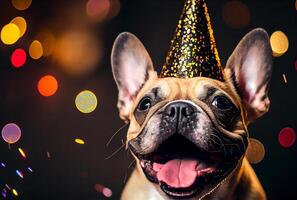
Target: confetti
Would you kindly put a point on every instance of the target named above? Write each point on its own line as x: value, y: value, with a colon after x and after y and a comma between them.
x: 3, y: 164
x: 4, y: 194
x: 86, y: 101
x: 30, y: 169
x: 22, y: 153
x: 102, y: 189
x: 48, y: 154
x: 79, y: 141
x: 19, y: 173
x: 107, y: 192
x: 7, y: 186
x: 285, y: 79
x: 14, y: 192
x: 11, y: 133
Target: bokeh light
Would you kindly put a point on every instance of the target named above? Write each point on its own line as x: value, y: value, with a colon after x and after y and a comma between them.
x: 47, y: 85
x: 279, y: 43
x: 79, y: 141
x: 22, y: 152
x: 21, y: 4
x: 18, y: 58
x: 3, y: 164
x: 48, y: 42
x: 35, y: 50
x: 97, y: 9
x: 10, y: 33
x: 296, y: 4
x: 115, y: 7
x: 11, y: 133
x: 77, y: 53
x: 287, y: 137
x: 236, y: 14
x: 21, y: 23
x: 256, y: 151
x: 86, y: 101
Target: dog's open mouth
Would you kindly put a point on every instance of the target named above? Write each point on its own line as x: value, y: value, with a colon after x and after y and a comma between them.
x: 182, y: 169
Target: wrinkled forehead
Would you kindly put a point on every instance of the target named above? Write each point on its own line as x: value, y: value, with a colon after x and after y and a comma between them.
x: 191, y: 88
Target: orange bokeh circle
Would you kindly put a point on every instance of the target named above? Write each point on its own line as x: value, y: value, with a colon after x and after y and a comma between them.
x: 47, y: 85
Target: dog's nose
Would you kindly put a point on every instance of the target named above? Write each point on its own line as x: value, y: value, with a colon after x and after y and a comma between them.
x: 179, y: 110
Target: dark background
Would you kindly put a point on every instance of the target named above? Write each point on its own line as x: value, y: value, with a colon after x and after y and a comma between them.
x: 51, y: 124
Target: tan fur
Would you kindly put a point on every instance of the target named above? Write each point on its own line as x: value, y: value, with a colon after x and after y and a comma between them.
x: 241, y: 184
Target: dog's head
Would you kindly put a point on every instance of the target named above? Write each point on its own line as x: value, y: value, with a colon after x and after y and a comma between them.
x: 187, y: 135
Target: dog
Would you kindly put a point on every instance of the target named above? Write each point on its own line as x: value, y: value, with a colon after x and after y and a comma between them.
x: 189, y: 136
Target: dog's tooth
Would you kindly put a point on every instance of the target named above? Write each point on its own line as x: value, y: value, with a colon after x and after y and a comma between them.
x: 142, y: 163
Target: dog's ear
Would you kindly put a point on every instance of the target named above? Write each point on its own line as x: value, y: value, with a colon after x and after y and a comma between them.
x: 131, y: 67
x: 250, y: 68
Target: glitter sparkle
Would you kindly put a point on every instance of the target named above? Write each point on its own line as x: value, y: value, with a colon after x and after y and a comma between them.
x: 193, y: 50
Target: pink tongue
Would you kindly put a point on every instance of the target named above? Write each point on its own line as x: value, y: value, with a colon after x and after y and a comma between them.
x: 177, y: 173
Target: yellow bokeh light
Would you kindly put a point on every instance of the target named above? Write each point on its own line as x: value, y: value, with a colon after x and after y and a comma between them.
x: 14, y: 192
x: 86, y: 101
x: 10, y: 33
x: 279, y: 43
x: 35, y: 50
x: 79, y: 141
x: 21, y: 4
x: 21, y: 23
x: 256, y: 151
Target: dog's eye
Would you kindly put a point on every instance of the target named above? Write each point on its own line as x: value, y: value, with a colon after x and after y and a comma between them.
x: 145, y: 104
x: 222, y: 103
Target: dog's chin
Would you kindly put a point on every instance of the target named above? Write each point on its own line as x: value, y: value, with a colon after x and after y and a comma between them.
x: 183, y: 170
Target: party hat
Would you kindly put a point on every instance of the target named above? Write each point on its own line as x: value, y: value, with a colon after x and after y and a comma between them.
x: 193, y: 51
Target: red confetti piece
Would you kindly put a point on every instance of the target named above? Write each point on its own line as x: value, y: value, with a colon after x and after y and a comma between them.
x: 287, y: 137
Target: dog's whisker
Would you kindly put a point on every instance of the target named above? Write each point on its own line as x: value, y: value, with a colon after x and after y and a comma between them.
x: 133, y: 162
x: 112, y: 137
x: 115, y: 152
x: 126, y: 174
x: 220, y: 142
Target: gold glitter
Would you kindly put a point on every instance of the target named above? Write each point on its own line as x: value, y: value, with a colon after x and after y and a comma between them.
x: 193, y: 49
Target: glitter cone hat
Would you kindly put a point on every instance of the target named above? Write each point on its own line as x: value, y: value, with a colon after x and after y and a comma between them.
x: 193, y: 51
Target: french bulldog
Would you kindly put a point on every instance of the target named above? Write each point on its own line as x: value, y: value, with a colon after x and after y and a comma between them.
x: 189, y: 136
